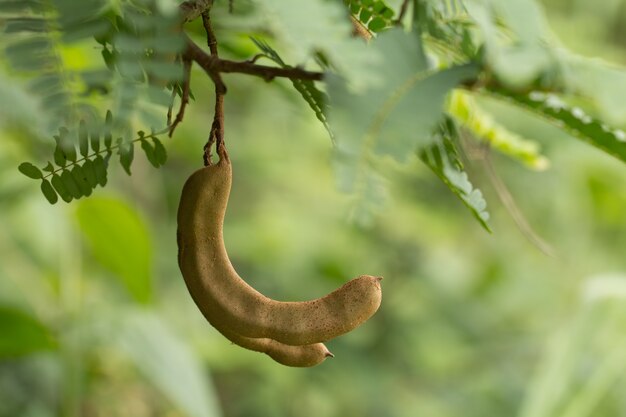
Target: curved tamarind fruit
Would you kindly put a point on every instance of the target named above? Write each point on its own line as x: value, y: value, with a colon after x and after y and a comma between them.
x: 297, y: 356
x: 226, y: 299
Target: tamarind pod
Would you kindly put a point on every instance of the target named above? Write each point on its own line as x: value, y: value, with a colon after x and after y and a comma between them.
x: 225, y: 298
x: 297, y: 356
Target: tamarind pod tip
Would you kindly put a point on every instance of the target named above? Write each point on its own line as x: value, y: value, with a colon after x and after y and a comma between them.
x: 329, y: 354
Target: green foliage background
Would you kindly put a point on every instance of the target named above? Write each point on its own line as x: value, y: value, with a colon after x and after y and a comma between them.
x: 95, y: 319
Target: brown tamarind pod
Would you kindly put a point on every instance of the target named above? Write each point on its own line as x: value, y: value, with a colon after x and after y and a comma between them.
x: 226, y: 299
x: 297, y: 356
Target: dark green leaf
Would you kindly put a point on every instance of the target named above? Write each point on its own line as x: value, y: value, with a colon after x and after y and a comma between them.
x: 83, y: 138
x: 22, y: 333
x: 71, y: 185
x: 376, y: 24
x: 109, y: 58
x: 81, y: 180
x: 46, y: 84
x: 64, y: 141
x: 25, y: 24
x: 20, y: 6
x: 127, y: 153
x: 365, y: 15
x: 149, y: 151
x: 59, y: 155
x: 100, y: 167
x: 107, y: 220
x: 89, y: 170
x: 49, y: 167
x: 30, y: 170
x: 159, y: 151
x: 70, y: 151
x: 48, y: 192
x: 108, y: 130
x: 60, y: 188
x: 94, y: 139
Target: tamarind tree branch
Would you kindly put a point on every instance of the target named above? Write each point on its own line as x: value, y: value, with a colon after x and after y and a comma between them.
x: 216, y: 135
x: 214, y: 64
x: 193, y: 9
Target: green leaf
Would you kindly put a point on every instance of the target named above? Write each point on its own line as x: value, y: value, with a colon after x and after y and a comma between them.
x: 149, y: 151
x: 572, y: 119
x: 89, y: 170
x: 108, y: 129
x: 120, y: 241
x: 395, y: 116
x: 291, y: 22
x: 64, y: 150
x: 159, y: 151
x: 126, y: 152
x: 83, y: 138
x: 94, y: 139
x: 48, y: 192
x: 100, y: 167
x: 60, y: 188
x: 22, y: 334
x: 81, y: 180
x: 49, y: 167
x: 59, y: 155
x: 365, y: 15
x: 30, y: 170
x: 66, y: 144
x: 374, y: 15
x: 442, y: 158
x: 109, y: 58
x: 377, y: 24
x: 484, y: 127
x: 26, y: 24
x: 20, y: 6
x: 315, y: 98
x: 70, y: 184
x: 168, y: 362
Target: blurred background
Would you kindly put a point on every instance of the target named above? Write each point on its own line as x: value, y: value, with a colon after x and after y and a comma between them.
x: 95, y: 319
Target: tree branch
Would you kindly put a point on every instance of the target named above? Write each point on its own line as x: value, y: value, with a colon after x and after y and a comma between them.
x: 213, y: 64
x: 193, y: 9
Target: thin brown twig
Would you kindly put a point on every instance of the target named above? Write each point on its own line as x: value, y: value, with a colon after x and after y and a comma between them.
x: 403, y: 10
x: 192, y: 9
x: 185, y: 96
x: 217, y: 127
x: 211, y: 40
x: 170, y: 107
x: 255, y: 58
x: 211, y: 63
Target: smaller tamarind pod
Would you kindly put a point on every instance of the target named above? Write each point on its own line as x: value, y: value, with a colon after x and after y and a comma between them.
x: 227, y: 300
x: 296, y: 356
